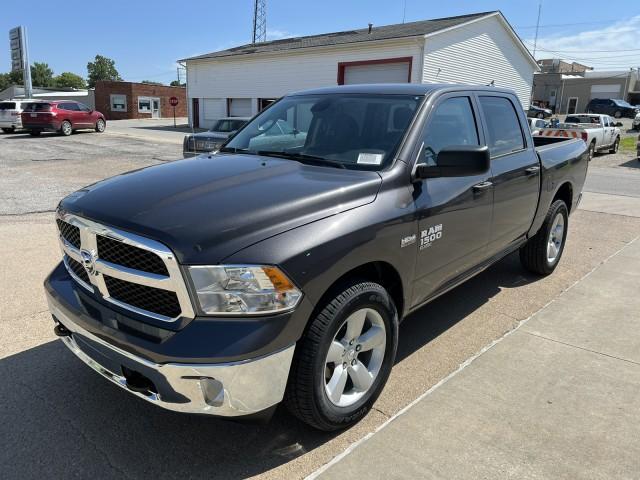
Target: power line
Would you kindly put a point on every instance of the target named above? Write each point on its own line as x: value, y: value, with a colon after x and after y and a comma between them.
x: 554, y: 25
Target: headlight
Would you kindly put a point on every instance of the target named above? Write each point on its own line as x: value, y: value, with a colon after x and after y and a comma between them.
x: 243, y: 289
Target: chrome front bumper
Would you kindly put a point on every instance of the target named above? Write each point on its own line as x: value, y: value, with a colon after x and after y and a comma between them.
x: 226, y: 390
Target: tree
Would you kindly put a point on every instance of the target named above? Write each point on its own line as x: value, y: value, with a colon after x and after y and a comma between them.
x: 69, y: 80
x: 102, y: 68
x: 41, y: 75
x: 5, y: 81
x: 151, y: 82
x: 176, y: 83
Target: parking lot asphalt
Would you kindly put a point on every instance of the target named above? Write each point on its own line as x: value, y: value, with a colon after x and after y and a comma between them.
x: 59, y: 419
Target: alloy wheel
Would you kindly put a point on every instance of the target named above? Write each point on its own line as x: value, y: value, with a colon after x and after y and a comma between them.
x: 556, y: 237
x: 355, y: 357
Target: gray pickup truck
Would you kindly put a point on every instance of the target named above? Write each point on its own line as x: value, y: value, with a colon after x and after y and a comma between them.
x: 280, y: 267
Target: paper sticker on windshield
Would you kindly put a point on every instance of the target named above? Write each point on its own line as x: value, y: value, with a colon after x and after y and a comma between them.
x: 370, y: 158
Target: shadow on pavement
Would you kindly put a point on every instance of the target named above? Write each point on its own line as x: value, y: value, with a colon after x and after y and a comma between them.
x: 61, y: 420
x: 633, y: 163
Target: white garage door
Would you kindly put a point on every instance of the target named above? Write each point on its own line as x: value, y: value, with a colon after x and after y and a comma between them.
x: 381, y: 73
x: 605, y: 91
x: 239, y: 107
x: 214, y: 108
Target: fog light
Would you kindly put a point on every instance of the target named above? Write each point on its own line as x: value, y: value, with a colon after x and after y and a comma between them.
x: 213, y: 391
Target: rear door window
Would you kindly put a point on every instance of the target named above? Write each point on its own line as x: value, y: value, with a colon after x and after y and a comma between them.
x: 7, y: 105
x: 504, y: 134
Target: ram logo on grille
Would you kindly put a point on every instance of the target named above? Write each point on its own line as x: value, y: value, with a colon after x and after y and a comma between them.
x: 88, y: 261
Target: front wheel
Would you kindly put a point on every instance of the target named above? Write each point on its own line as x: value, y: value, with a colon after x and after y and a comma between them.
x: 543, y: 251
x: 100, y: 125
x: 35, y: 133
x: 617, y: 114
x: 540, y: 115
x: 344, y: 359
x: 9, y: 130
x: 615, y: 146
x: 592, y: 150
x: 66, y: 129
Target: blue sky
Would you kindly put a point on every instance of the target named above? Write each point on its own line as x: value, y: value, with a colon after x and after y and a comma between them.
x: 146, y: 37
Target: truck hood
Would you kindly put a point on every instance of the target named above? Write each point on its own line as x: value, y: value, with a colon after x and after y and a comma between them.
x: 207, y: 208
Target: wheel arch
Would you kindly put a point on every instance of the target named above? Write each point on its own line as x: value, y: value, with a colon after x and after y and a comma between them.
x: 380, y: 272
x: 565, y: 193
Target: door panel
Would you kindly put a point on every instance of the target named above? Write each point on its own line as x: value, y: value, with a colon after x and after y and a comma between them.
x: 454, y: 218
x: 515, y: 171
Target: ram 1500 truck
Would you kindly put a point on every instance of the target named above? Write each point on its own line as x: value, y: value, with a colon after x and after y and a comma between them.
x: 280, y: 267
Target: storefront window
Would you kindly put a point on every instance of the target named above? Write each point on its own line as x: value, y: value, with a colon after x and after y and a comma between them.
x: 144, y: 104
x: 118, y: 103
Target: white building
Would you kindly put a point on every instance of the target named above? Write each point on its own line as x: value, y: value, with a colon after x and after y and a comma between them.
x: 476, y: 49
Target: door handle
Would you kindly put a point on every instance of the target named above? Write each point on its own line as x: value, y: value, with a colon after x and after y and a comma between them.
x: 479, y: 187
x: 532, y: 170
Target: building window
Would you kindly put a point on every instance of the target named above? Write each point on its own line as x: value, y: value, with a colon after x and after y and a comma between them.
x: 144, y: 105
x: 118, y: 103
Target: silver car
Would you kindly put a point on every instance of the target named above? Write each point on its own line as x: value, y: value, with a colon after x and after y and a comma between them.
x: 212, y: 139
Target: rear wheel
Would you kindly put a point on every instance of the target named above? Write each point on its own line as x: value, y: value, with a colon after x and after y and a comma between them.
x: 543, y: 251
x: 65, y: 128
x: 615, y: 146
x: 35, y: 133
x: 344, y: 359
x: 9, y: 130
x: 540, y: 115
x: 617, y: 114
x: 592, y: 150
x: 100, y: 125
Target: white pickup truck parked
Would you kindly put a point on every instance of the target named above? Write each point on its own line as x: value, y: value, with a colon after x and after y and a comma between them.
x: 600, y: 132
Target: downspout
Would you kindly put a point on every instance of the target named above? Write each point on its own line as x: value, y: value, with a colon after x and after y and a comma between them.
x: 559, y: 112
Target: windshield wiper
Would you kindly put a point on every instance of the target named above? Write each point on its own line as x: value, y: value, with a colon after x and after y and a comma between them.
x: 302, y: 158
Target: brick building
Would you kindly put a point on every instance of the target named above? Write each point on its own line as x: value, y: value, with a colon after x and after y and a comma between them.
x: 128, y: 100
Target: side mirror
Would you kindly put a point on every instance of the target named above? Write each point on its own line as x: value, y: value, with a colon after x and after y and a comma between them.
x: 456, y: 161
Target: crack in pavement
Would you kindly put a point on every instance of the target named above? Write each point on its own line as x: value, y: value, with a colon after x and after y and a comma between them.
x: 581, y: 348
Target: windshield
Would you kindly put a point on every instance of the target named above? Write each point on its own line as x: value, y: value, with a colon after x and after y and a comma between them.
x: 360, y: 131
x: 227, y: 125
x: 7, y: 105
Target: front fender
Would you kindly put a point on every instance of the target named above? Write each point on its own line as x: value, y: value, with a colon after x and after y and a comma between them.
x: 316, y: 255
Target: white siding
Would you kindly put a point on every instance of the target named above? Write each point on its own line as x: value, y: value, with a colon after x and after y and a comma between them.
x: 213, y: 109
x: 479, y: 53
x: 278, y: 74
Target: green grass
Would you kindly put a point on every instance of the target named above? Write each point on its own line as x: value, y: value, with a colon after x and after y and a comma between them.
x: 629, y: 143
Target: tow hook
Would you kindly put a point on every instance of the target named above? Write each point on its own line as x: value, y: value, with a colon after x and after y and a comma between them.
x: 61, y: 331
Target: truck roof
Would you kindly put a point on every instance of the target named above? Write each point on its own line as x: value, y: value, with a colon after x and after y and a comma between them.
x: 399, y: 89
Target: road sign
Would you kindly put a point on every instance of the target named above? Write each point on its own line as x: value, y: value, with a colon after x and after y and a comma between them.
x: 173, y: 101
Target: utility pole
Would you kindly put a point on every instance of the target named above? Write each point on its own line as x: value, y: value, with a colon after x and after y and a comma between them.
x: 535, y: 41
x: 259, y: 21
x: 28, y: 89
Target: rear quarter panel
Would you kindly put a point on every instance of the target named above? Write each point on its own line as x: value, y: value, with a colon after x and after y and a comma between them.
x: 561, y: 163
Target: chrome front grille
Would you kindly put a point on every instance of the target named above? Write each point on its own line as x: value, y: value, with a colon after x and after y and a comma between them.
x: 133, y: 272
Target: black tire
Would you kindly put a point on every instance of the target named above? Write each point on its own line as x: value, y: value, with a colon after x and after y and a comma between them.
x: 101, y: 125
x: 533, y: 255
x: 65, y: 128
x: 592, y: 150
x: 617, y: 114
x: 305, y: 396
x: 616, y: 145
x: 540, y: 115
x: 35, y: 133
x: 9, y: 130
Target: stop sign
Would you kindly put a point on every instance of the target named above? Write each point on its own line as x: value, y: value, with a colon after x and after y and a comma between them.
x: 173, y: 101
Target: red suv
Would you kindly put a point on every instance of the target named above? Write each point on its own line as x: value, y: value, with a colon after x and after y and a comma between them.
x: 61, y: 116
